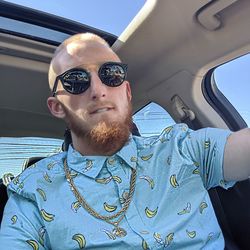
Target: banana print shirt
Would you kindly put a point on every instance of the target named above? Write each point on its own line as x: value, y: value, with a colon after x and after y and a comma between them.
x: 170, y: 208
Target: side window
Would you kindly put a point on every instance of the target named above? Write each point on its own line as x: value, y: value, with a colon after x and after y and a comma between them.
x: 233, y: 80
x: 15, y: 151
x: 152, y: 119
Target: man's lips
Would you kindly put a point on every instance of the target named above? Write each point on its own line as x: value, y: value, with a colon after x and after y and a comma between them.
x: 100, y: 110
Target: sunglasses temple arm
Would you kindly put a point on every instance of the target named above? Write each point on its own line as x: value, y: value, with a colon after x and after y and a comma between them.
x: 55, y: 87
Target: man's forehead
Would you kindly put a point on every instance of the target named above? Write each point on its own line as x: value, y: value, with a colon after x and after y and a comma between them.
x: 79, y: 52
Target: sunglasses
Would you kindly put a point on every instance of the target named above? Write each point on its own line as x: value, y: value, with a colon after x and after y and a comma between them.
x: 77, y: 80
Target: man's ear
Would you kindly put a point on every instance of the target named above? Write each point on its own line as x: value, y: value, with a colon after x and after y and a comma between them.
x: 55, y: 107
x: 129, y: 94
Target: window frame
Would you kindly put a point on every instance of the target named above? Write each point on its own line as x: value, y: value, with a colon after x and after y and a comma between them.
x: 220, y: 103
x: 49, y: 21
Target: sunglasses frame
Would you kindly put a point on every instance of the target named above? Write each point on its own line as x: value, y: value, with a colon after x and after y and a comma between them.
x: 61, y: 76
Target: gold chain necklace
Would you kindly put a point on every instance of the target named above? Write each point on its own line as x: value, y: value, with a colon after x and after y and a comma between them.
x: 117, y: 231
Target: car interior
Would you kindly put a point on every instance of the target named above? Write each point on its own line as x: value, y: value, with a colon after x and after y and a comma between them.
x: 171, y: 47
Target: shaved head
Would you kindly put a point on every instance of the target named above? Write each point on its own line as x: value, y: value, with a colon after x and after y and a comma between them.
x: 72, y: 50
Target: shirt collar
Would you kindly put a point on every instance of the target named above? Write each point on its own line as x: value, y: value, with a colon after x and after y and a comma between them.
x: 129, y: 153
x: 92, y: 165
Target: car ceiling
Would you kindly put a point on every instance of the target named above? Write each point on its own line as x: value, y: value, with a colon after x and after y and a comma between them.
x: 169, y: 47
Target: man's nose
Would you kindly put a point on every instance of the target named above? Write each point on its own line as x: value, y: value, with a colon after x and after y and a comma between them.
x: 97, y: 88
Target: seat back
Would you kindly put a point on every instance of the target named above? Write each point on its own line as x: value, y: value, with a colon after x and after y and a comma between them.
x: 4, y: 199
x: 232, y: 208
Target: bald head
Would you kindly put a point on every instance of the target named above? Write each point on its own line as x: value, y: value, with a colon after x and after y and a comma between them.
x: 74, y: 51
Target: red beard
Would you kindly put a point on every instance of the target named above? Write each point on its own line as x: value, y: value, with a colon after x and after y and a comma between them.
x: 106, y: 137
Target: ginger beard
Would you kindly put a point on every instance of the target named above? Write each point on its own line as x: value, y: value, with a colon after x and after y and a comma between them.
x: 106, y: 137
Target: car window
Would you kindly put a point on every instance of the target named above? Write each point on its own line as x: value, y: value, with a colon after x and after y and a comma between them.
x: 82, y: 11
x: 152, y: 119
x: 233, y: 80
x: 15, y: 151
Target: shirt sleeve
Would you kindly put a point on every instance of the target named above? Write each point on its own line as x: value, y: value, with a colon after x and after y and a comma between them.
x: 206, y: 148
x: 21, y: 227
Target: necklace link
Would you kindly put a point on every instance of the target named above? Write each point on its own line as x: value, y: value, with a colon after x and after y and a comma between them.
x: 117, y: 231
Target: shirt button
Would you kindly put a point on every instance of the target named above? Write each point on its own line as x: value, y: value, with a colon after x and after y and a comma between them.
x: 125, y: 195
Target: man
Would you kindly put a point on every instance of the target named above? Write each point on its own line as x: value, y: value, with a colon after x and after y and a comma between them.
x: 112, y: 190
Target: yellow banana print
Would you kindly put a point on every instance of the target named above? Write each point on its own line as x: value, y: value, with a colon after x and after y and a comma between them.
x: 222, y: 182
x: 144, y: 245
x: 14, y: 219
x: 104, y: 180
x: 133, y: 159
x: 16, y: 180
x: 191, y: 234
x: 42, y: 193
x: 162, y: 140
x: 196, y: 171
x: 186, y: 210
x: 146, y: 157
x: 41, y: 233
x: 169, y: 238
x: 168, y: 129
x: 46, y: 177
x: 89, y: 165
x: 109, y: 234
x: 73, y: 174
x: 196, y: 164
x: 80, y: 239
x: 173, y: 181
x: 149, y: 180
x: 47, y: 216
x: 158, y: 238
x: 184, y: 128
x: 21, y: 185
x: 33, y: 244
x: 75, y: 206
x: 150, y: 213
x: 202, y: 206
x: 51, y: 165
x: 210, y: 236
x: 117, y: 179
x: 111, y: 161
x: 207, y: 144
x: 109, y: 208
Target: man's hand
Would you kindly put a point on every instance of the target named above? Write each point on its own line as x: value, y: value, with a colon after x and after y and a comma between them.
x: 237, y: 156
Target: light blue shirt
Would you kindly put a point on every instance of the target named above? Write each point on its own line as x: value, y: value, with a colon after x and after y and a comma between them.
x: 170, y: 208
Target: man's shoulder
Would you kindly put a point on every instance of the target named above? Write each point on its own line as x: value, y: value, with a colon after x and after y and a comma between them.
x: 39, y: 173
x: 167, y: 134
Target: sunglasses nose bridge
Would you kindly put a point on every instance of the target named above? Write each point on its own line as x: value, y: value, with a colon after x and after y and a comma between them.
x: 97, y: 88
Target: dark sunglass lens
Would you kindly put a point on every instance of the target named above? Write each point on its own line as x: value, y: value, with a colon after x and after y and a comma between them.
x: 76, y: 82
x: 112, y: 74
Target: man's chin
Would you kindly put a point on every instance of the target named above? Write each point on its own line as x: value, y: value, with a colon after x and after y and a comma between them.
x: 108, y: 137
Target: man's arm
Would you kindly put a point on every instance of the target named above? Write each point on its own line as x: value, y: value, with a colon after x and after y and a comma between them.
x: 237, y: 156
x: 21, y: 227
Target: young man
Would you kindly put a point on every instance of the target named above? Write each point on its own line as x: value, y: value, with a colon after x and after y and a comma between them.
x: 112, y: 190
